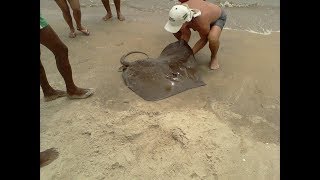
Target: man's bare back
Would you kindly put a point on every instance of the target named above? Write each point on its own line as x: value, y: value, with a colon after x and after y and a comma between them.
x: 209, y: 13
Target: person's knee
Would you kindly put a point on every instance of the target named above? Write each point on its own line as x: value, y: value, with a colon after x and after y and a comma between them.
x: 76, y: 10
x: 64, y: 49
x: 66, y: 11
x: 62, y: 57
x: 61, y: 50
x: 213, y: 39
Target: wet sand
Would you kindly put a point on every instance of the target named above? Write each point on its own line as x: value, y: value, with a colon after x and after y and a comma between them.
x: 228, y: 129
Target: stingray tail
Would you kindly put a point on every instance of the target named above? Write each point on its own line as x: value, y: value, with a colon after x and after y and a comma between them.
x: 126, y: 63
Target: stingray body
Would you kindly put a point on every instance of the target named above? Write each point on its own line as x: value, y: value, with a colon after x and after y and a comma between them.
x: 173, y: 72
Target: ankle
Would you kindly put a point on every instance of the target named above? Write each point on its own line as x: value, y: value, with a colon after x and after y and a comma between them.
x: 72, y: 89
x: 80, y: 27
x: 48, y: 92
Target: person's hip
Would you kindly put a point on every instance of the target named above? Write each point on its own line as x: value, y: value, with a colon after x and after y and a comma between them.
x: 221, y: 21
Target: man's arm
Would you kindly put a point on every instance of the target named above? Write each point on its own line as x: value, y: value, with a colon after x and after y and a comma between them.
x: 185, y: 34
x: 177, y: 35
x: 200, y: 44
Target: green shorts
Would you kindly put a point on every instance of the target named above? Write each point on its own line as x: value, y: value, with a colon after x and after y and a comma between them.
x: 43, y: 22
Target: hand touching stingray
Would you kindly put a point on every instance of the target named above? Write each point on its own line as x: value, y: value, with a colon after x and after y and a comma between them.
x: 173, y: 72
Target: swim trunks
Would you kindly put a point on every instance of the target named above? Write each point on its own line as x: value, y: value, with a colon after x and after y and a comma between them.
x: 221, y: 21
x: 43, y: 22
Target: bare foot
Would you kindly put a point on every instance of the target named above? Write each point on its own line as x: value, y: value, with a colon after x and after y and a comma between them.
x: 108, y: 16
x: 214, y: 64
x: 72, y: 34
x: 47, y: 156
x: 54, y: 95
x: 80, y: 93
x: 121, y: 17
x: 84, y: 30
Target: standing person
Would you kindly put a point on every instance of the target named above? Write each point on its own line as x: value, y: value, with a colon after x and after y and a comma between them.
x: 206, y: 18
x: 106, y: 5
x: 50, y: 39
x: 75, y: 6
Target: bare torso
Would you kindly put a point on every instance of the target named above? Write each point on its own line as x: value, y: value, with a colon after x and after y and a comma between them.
x: 209, y: 13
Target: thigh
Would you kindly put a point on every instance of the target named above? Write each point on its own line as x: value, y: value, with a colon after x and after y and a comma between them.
x: 74, y: 4
x: 63, y: 5
x: 214, y: 33
x: 50, y: 39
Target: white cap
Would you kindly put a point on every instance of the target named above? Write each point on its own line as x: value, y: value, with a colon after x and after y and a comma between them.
x: 178, y: 15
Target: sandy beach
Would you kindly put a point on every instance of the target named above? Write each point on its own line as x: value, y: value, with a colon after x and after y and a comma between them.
x: 226, y: 130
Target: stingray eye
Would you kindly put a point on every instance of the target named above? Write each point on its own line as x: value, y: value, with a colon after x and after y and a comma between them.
x: 174, y: 75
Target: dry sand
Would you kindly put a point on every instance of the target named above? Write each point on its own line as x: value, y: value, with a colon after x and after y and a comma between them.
x: 228, y: 129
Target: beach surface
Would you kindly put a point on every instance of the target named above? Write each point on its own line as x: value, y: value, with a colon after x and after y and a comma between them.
x: 228, y: 129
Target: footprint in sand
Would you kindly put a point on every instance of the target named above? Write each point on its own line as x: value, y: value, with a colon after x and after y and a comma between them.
x: 178, y: 135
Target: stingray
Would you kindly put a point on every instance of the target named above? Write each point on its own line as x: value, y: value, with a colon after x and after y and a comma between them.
x: 173, y: 72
